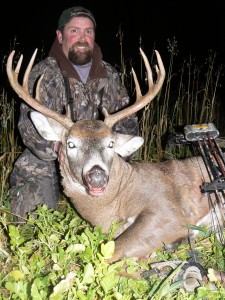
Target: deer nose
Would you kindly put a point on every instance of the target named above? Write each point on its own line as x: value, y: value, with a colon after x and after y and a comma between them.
x: 96, y: 177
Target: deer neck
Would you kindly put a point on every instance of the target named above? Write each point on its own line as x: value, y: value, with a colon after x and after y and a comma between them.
x: 73, y: 189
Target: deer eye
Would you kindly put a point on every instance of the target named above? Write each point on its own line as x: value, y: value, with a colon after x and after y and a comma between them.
x: 71, y: 145
x: 111, y: 145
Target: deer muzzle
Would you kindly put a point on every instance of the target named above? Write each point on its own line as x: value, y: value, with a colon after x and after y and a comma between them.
x: 96, y: 180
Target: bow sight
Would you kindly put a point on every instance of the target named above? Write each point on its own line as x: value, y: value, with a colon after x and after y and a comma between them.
x: 204, y: 137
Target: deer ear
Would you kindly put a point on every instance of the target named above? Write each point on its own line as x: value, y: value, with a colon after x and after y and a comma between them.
x: 126, y: 145
x: 48, y: 128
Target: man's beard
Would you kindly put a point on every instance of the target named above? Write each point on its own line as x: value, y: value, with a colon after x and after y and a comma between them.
x: 80, y: 58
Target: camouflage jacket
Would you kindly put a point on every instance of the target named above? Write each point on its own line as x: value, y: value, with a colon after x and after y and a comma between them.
x: 103, y: 87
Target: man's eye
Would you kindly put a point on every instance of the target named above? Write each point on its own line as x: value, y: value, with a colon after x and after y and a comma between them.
x: 74, y: 30
x: 90, y: 31
x: 71, y: 145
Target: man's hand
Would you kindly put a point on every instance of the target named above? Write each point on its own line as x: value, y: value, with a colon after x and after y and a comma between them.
x: 61, y: 157
x: 57, y: 148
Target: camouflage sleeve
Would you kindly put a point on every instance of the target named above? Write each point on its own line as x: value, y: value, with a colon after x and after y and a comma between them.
x: 40, y: 147
x: 128, y: 125
x: 116, y: 98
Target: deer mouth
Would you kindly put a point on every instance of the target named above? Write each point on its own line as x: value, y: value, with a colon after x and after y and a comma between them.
x: 96, y: 191
x: 96, y: 181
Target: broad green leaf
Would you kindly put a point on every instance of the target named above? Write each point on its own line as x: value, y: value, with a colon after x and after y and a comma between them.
x: 73, y: 248
x: 63, y: 286
x: 14, y: 233
x: 108, y: 282
x: 89, y: 274
x: 53, y: 238
x: 203, y: 292
x: 17, y: 275
x: 131, y: 270
x: 211, y: 276
x: 81, y: 296
x: 115, y: 265
x: 35, y: 291
x: 11, y: 286
x: 108, y: 249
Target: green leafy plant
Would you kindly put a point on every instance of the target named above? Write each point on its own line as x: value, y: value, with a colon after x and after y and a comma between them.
x: 57, y: 255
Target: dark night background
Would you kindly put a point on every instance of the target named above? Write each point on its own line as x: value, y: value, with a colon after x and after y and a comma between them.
x: 197, y: 26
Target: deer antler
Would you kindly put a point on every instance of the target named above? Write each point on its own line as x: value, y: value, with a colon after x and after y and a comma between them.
x: 141, y: 101
x: 23, y: 90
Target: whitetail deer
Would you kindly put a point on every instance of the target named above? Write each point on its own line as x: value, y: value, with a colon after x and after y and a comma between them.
x: 155, y: 201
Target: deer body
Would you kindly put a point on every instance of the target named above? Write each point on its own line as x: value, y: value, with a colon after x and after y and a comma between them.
x: 153, y: 201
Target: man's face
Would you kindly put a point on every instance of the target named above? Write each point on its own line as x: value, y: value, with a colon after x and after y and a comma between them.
x: 78, y: 40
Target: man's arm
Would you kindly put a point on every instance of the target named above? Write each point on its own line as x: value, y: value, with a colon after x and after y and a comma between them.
x: 40, y: 147
x: 43, y: 149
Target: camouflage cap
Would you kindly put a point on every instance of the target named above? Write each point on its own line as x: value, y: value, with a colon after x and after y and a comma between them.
x: 72, y: 12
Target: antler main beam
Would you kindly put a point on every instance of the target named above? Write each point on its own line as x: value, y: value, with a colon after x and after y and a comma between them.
x: 23, y: 90
x: 141, y: 101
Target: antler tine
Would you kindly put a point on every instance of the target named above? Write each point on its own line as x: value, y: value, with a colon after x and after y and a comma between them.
x: 23, y: 92
x: 28, y: 70
x: 18, y: 66
x: 37, y: 93
x: 148, y: 69
x: 137, y: 85
x: 141, y: 101
x: 160, y: 70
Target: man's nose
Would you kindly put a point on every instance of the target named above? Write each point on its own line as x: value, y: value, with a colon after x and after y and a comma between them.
x: 82, y: 36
